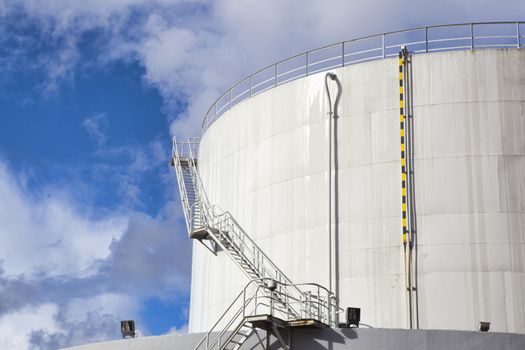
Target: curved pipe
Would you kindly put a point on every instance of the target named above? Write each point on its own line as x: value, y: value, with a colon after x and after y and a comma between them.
x: 332, y: 113
x: 333, y: 77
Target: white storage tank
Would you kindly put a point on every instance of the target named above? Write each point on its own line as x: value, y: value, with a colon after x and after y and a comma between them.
x: 266, y: 161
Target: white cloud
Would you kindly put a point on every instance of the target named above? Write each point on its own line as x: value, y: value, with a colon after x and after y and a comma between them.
x: 126, y: 166
x: 97, y: 127
x: 49, y: 234
x: 51, y: 326
x: 16, y: 327
x: 178, y: 331
x: 54, y: 325
x: 120, y: 305
x: 68, y: 278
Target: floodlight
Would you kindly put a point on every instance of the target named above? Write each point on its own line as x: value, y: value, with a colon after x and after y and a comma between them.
x: 127, y: 328
x: 484, y: 326
x: 271, y: 285
x: 353, y: 316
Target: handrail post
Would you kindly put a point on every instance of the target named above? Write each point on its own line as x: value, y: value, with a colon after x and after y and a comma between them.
x: 287, y: 308
x: 271, y: 303
x: 244, y: 303
x: 329, y: 308
x: 319, y: 304
x: 518, y: 35
x: 383, y: 45
x: 342, y: 54
x: 472, y: 36
x: 307, y: 62
x: 309, y: 304
x: 301, y: 305
x: 426, y: 39
x: 256, y: 302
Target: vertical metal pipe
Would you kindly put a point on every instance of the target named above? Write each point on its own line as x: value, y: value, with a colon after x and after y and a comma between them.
x: 330, y: 282
x: 329, y: 174
x: 413, y: 211
x: 408, y: 169
x: 333, y: 280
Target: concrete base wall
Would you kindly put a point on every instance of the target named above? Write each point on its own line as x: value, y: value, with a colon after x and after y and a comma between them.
x: 355, y: 339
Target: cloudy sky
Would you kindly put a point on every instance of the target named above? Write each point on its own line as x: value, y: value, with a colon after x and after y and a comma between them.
x: 90, y: 93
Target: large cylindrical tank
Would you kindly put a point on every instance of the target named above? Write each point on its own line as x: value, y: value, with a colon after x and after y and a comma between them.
x: 266, y: 162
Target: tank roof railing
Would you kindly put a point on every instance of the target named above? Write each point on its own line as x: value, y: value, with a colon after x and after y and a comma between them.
x: 449, y: 37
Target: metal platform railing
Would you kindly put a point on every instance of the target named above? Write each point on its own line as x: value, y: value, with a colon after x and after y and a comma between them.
x: 315, y: 303
x: 450, y: 37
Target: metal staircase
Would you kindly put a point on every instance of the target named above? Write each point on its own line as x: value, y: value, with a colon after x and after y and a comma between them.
x: 185, y: 163
x: 218, y: 230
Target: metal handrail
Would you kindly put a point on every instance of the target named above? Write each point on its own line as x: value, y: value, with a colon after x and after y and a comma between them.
x: 255, y: 257
x: 182, y: 188
x: 245, y: 236
x: 249, y: 303
x: 259, y: 81
x: 210, y: 214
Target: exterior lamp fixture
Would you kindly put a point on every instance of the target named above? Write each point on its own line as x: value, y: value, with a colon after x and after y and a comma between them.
x: 484, y: 326
x: 271, y: 285
x: 353, y: 316
x: 127, y: 328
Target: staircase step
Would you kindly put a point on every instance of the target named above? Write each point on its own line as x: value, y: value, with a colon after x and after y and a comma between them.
x: 247, y: 332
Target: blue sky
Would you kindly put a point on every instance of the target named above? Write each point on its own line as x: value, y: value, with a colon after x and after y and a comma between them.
x: 91, y: 93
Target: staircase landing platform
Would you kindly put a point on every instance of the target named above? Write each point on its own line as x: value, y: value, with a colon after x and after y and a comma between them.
x: 199, y: 233
x: 266, y: 321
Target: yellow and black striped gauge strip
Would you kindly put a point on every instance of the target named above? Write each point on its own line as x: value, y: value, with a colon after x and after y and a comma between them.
x: 402, y: 118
